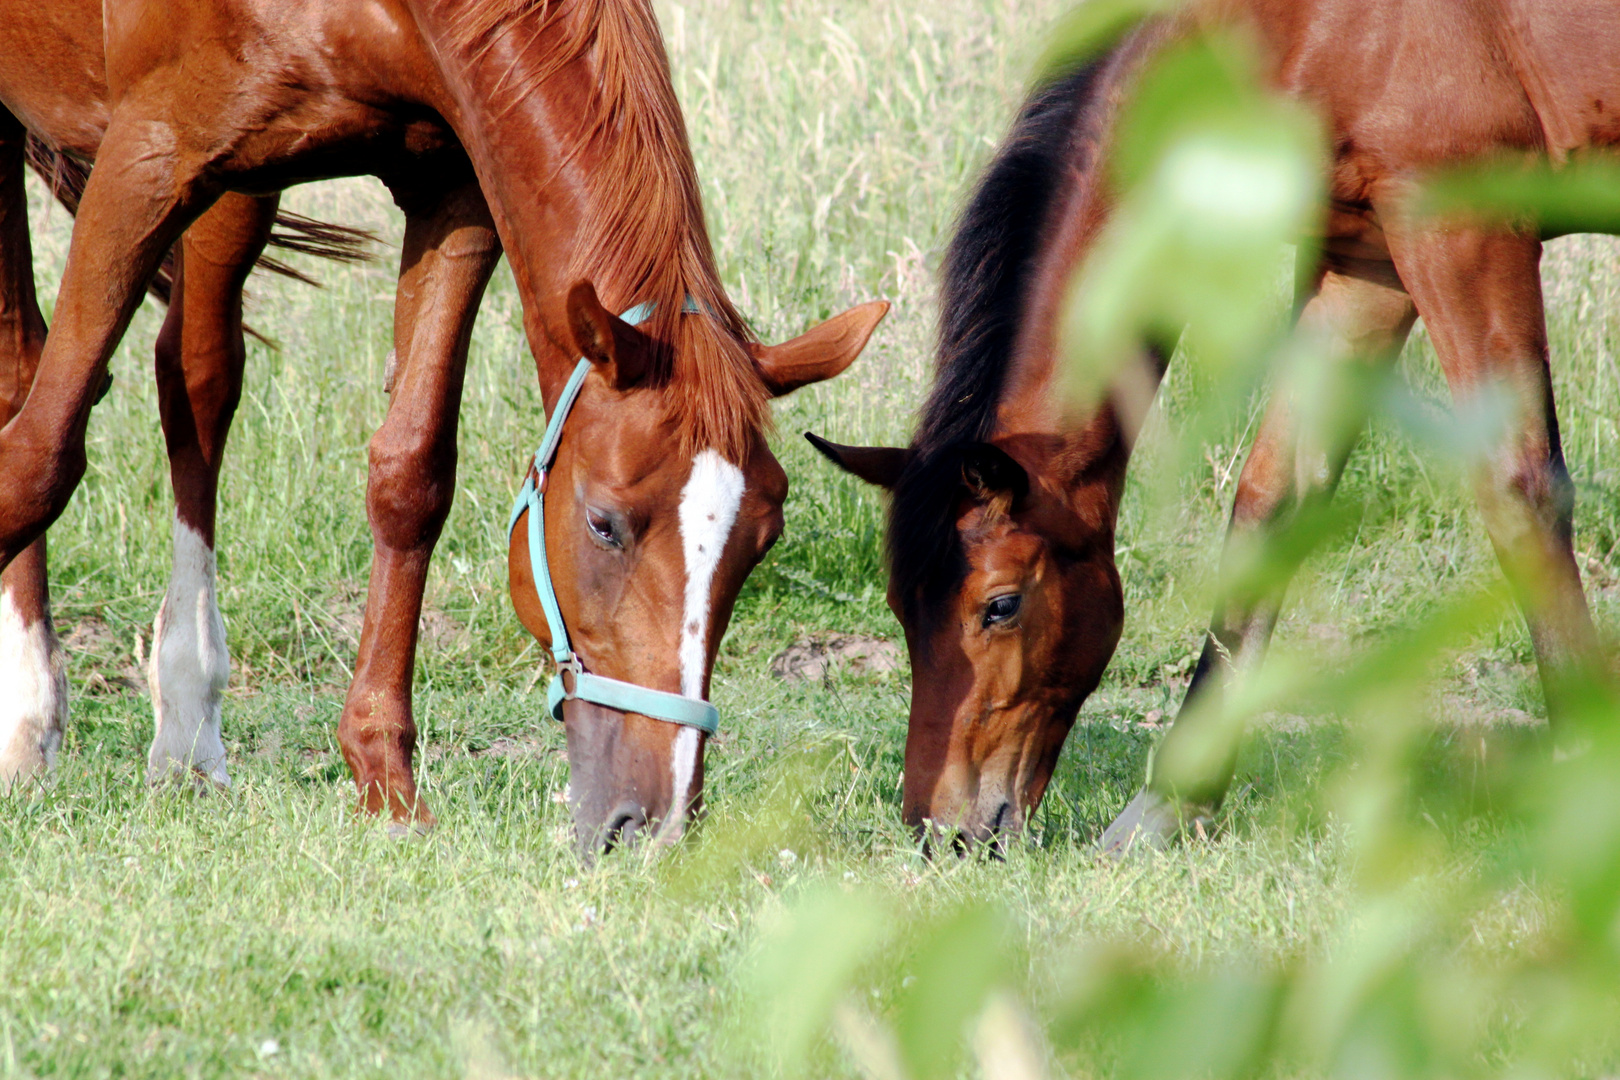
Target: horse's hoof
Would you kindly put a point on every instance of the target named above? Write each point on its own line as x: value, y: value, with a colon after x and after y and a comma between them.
x: 1150, y: 821
x: 211, y: 779
x: 408, y: 830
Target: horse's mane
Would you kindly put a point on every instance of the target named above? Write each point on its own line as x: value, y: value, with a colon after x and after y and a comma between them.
x: 644, y: 237
x: 988, y: 270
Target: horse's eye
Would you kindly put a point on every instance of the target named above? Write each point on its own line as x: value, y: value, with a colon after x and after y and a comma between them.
x: 1002, y: 608
x: 602, y: 526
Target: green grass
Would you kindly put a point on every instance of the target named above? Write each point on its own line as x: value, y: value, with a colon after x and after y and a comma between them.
x: 151, y: 934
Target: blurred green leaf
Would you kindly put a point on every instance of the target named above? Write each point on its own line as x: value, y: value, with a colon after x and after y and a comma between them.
x: 1215, y: 176
x: 956, y: 964
x: 1089, y: 29
x: 808, y: 963
x: 1581, y: 196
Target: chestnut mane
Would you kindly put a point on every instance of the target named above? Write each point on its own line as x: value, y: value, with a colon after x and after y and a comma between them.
x: 989, y: 269
x: 644, y: 236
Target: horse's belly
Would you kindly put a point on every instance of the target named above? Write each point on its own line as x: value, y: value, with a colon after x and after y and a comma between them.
x: 354, y: 141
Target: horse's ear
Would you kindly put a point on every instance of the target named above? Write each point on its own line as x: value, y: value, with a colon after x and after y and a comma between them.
x: 880, y: 465
x: 604, y: 339
x: 820, y: 352
x: 989, y: 473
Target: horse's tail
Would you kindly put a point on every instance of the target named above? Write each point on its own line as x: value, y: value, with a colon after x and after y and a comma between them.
x: 66, y: 176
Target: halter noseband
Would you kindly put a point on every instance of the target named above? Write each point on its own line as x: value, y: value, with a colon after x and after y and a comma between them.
x: 597, y: 689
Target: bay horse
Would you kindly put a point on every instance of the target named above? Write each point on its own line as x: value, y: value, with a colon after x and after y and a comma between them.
x: 1003, y: 510
x: 548, y: 132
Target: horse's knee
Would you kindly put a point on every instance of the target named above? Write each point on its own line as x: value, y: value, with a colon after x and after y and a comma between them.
x: 411, y: 486
x: 40, y: 465
x: 1524, y: 498
x: 1262, y: 494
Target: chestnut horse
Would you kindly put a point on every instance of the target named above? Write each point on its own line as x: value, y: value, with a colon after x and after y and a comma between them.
x: 1001, y: 532
x: 547, y: 131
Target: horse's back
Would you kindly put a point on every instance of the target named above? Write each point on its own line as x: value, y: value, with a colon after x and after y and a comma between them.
x: 1410, y: 85
x: 264, y: 92
x: 1568, y: 58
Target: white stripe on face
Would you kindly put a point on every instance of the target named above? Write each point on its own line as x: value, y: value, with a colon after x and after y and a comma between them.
x: 709, y: 505
x: 683, y: 763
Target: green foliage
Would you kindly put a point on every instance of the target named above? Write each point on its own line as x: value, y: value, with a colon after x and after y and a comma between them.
x: 1580, y: 196
x: 1216, y: 177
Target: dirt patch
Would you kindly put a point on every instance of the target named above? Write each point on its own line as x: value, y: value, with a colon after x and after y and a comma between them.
x: 116, y: 671
x: 1457, y: 711
x: 527, y: 746
x: 818, y: 658
x: 346, y: 613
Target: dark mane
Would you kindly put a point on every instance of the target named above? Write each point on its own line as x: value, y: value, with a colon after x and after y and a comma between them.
x: 987, y: 272
x: 644, y: 237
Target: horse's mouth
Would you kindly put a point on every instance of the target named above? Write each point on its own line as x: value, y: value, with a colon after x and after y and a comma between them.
x: 990, y: 838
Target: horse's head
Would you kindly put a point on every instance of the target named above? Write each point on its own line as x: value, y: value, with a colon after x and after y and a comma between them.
x: 649, y: 539
x: 1002, y: 573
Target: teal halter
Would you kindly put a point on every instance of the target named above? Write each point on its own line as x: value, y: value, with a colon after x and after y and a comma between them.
x: 597, y: 689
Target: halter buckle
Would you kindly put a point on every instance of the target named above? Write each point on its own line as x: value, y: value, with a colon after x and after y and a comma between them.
x: 571, y: 666
x: 542, y: 478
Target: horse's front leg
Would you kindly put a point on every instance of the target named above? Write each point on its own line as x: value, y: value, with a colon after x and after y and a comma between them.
x: 145, y: 189
x: 1480, y: 295
x: 449, y: 252
x: 199, y: 359
x: 33, y: 701
x: 1295, y: 458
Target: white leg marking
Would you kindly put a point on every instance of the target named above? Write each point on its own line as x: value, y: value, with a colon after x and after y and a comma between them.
x: 189, y: 668
x: 709, y: 505
x: 33, y: 696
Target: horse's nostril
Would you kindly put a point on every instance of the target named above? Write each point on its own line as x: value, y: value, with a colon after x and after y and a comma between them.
x: 1003, y: 818
x: 622, y: 828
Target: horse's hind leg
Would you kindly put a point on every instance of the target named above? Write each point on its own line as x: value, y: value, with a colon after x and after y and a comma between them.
x: 1480, y: 295
x: 450, y: 250
x: 1293, y: 460
x: 33, y: 681
x: 200, y: 354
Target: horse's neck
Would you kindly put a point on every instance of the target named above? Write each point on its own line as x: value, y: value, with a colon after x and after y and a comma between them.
x: 1034, y: 400
x: 525, y: 93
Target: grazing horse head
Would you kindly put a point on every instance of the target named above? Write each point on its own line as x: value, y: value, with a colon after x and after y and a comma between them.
x: 1001, y: 523
x: 661, y: 498
x: 1002, y: 574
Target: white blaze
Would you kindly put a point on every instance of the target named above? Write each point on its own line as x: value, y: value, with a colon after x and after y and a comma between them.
x: 709, y: 505
x: 33, y: 695
x: 189, y: 668
x: 683, y: 763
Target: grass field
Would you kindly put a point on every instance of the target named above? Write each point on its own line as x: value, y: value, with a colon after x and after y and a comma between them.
x: 152, y: 934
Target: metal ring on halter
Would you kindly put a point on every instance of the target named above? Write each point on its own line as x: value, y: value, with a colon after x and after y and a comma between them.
x: 596, y: 689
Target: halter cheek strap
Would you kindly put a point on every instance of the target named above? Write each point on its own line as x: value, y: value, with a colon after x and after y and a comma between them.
x: 572, y: 680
